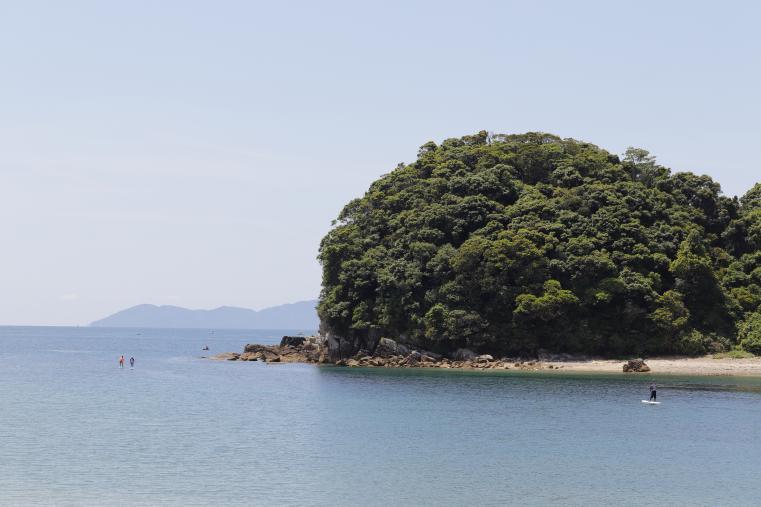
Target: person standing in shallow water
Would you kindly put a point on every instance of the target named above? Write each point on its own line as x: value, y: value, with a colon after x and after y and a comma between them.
x: 652, y: 391
x: 121, y: 362
x: 131, y: 362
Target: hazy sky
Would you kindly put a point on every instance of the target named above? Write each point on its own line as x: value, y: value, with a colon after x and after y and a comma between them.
x: 194, y: 153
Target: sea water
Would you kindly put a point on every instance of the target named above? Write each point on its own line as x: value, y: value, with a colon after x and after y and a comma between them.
x: 180, y: 430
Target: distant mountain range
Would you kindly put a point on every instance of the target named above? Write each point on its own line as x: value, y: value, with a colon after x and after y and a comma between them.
x: 301, y: 315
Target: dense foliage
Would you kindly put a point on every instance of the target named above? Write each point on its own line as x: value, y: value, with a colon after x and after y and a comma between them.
x: 515, y: 243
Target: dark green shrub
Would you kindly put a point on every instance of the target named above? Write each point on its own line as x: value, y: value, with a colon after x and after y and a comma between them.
x: 750, y: 334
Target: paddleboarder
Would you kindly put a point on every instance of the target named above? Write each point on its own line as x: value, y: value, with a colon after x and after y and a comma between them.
x: 131, y: 362
x: 121, y: 362
x: 652, y: 391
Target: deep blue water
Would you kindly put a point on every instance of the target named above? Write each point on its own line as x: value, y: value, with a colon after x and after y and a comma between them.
x: 184, y: 431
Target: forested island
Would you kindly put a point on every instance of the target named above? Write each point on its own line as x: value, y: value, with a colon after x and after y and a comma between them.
x: 514, y: 244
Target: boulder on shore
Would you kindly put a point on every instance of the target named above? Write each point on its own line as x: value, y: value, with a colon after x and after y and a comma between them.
x: 297, y: 349
x: 292, y: 341
x: 386, y: 348
x: 226, y: 356
x: 463, y: 355
x: 412, y: 359
x: 270, y: 357
x: 255, y: 347
x: 636, y: 366
x: 435, y: 356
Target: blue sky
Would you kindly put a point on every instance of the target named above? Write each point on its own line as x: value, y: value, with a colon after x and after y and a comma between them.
x: 194, y: 153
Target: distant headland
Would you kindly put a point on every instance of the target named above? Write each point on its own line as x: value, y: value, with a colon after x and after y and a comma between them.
x: 300, y: 315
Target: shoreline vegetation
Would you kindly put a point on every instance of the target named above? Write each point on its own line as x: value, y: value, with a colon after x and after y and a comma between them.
x: 389, y: 354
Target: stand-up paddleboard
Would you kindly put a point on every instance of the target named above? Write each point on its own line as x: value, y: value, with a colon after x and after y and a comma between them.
x: 651, y: 402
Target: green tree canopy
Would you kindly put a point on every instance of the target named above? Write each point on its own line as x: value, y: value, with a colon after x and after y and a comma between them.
x: 513, y: 243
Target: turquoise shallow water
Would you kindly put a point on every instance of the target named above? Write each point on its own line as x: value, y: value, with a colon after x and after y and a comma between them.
x: 180, y: 430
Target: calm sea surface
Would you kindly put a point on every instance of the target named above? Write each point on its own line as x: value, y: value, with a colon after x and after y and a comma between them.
x: 179, y: 430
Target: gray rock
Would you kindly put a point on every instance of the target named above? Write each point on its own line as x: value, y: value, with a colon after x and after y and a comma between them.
x: 340, y: 347
x: 386, y: 348
x: 463, y: 355
x: 292, y: 341
x: 434, y: 355
x: 412, y: 359
x: 484, y: 358
x: 361, y: 353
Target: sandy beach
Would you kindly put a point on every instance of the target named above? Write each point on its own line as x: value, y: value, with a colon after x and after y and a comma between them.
x: 707, y: 365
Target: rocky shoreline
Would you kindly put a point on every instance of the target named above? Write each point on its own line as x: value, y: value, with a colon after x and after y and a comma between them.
x: 292, y: 349
x: 390, y: 354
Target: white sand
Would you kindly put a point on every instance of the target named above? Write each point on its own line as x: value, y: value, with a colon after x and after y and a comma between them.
x: 677, y: 365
